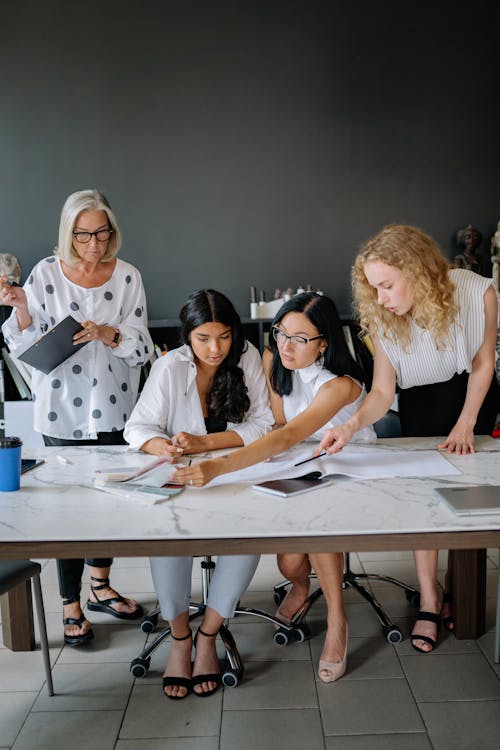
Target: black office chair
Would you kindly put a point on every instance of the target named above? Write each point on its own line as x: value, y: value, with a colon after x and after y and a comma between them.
x: 15, y: 572
x: 233, y: 669
x: 386, y: 427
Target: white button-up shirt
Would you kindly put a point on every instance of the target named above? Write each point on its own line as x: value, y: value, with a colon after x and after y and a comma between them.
x: 170, y: 402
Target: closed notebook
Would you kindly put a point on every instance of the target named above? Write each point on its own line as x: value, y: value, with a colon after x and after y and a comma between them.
x: 472, y: 501
x: 54, y: 347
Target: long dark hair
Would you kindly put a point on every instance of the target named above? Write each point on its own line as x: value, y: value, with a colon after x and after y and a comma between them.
x: 228, y: 395
x: 322, y: 313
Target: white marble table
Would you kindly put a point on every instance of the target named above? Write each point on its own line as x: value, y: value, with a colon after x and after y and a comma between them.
x: 49, y: 519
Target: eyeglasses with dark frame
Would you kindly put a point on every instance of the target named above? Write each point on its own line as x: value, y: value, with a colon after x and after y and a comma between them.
x: 102, y: 235
x: 280, y: 337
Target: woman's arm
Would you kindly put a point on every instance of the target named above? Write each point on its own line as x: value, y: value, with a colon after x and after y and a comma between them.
x: 461, y: 437
x: 15, y: 296
x: 145, y: 429
x: 375, y: 405
x: 331, y: 397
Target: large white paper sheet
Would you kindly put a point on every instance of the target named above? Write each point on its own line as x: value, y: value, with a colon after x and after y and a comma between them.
x: 357, y: 462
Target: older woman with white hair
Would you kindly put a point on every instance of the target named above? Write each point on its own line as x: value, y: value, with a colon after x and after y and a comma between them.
x: 88, y: 398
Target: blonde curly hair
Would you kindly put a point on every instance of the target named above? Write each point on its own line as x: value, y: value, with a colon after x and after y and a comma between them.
x: 420, y: 260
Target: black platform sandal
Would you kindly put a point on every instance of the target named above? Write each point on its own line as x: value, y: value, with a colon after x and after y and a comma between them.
x: 199, y: 679
x: 104, y: 605
x: 185, y: 682
x: 449, y: 620
x: 430, y: 617
x: 76, y: 640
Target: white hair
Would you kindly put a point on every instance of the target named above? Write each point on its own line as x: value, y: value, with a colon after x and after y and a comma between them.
x: 85, y: 200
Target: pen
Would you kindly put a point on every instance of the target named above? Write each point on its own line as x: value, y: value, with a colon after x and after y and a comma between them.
x: 10, y: 282
x: 310, y: 459
x: 63, y: 460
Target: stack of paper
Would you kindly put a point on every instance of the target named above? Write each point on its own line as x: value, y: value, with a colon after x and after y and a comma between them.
x: 151, y: 484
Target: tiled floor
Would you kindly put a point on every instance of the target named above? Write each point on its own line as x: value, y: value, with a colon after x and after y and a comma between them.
x: 390, y: 698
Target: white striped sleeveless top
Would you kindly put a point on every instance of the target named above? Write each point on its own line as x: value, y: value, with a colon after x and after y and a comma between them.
x: 423, y: 363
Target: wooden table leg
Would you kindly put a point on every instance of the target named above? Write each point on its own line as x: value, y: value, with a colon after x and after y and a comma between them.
x: 17, y: 618
x: 469, y: 592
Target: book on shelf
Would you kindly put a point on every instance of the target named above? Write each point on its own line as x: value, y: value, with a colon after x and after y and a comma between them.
x: 20, y: 374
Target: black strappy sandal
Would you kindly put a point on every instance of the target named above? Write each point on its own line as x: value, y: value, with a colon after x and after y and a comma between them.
x: 104, y: 605
x: 76, y: 640
x: 206, y: 677
x: 430, y: 617
x: 185, y: 682
x: 449, y: 620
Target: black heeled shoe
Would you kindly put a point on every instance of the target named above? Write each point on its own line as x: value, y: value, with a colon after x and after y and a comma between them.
x: 430, y: 617
x: 206, y: 677
x: 185, y: 682
x: 76, y: 640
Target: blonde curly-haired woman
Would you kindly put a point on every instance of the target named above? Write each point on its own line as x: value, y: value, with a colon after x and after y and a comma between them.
x: 434, y: 330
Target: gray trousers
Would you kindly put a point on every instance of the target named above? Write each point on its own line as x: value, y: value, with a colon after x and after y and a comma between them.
x: 172, y: 581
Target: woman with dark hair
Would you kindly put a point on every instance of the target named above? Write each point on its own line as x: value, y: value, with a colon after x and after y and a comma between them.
x: 314, y: 384
x: 209, y: 393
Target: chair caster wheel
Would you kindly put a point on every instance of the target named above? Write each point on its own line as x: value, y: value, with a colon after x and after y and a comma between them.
x: 279, y: 595
x: 301, y: 633
x: 231, y: 678
x: 139, y: 667
x: 148, y: 623
x: 413, y: 598
x: 281, y: 637
x: 392, y: 634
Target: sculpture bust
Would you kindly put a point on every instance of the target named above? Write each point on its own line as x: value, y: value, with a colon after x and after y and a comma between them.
x: 495, y: 257
x: 469, y: 238
x: 9, y: 266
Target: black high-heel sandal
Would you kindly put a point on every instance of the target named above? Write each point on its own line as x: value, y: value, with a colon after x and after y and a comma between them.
x: 104, y: 605
x: 449, y: 620
x: 430, y: 617
x: 76, y: 640
x: 206, y: 677
x: 185, y: 682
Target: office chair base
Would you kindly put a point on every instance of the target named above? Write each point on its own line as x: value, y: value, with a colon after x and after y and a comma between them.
x: 391, y: 632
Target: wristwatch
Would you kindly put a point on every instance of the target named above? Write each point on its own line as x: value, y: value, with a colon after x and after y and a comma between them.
x: 116, y: 338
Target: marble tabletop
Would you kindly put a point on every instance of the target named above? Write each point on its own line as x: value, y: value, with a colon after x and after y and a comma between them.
x: 53, y: 506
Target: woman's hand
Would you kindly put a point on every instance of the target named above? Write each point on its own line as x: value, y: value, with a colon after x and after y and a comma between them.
x: 93, y: 332
x: 159, y: 446
x: 334, y: 440
x: 14, y: 296
x: 460, y: 440
x: 190, y: 443
x: 197, y: 474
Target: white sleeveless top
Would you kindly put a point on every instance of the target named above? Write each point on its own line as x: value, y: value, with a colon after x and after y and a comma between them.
x: 423, y: 363
x: 305, y: 385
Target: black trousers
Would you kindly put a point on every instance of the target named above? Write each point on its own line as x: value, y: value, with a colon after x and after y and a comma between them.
x: 70, y: 571
x: 428, y: 410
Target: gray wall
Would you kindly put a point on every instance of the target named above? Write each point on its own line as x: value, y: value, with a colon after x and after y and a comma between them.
x: 248, y: 142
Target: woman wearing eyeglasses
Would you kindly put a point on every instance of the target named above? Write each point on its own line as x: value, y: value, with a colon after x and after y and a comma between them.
x: 87, y: 399
x: 314, y: 384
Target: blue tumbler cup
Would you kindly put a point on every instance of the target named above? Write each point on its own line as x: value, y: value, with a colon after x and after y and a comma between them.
x: 10, y: 463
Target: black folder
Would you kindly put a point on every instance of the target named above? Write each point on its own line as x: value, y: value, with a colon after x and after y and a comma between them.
x: 54, y: 347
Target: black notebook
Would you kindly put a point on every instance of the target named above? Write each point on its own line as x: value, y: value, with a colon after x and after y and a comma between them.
x: 290, y: 487
x: 54, y: 347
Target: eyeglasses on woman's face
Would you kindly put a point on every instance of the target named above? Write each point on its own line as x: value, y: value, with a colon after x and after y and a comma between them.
x: 102, y: 235
x: 281, y: 337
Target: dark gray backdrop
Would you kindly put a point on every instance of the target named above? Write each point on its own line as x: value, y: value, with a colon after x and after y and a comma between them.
x: 248, y: 143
